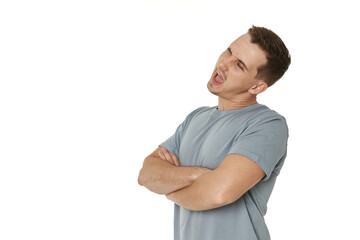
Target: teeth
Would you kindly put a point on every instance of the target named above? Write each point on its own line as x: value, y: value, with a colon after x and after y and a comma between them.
x: 219, y: 75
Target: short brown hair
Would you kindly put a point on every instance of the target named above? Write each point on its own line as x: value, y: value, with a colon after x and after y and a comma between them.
x: 277, y: 55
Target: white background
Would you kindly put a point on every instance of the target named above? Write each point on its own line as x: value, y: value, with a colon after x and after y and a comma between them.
x: 89, y: 88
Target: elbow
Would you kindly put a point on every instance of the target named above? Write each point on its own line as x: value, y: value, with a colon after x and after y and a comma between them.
x: 141, y: 178
x: 222, y: 198
x: 212, y: 201
x: 140, y: 181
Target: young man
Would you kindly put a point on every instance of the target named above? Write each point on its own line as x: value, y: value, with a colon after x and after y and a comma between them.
x: 220, y: 166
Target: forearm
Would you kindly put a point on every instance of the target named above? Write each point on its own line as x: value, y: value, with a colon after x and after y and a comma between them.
x: 204, y: 194
x: 224, y: 185
x: 162, y: 177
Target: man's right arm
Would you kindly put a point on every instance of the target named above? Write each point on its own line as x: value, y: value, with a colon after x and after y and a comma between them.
x: 162, y: 177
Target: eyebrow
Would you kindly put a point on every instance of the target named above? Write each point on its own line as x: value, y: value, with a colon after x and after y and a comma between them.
x: 229, y: 49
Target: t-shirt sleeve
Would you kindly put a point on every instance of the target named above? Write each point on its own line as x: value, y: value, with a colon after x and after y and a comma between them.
x: 265, y: 143
x: 173, y: 143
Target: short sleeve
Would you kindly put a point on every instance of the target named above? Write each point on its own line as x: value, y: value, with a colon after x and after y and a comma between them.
x: 265, y: 143
x: 172, y: 144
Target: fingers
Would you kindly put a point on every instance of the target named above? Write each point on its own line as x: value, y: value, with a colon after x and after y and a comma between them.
x: 161, y: 154
x: 164, y: 154
x: 167, y: 155
x: 176, y: 161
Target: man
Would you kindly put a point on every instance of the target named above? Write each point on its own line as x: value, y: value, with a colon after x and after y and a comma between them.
x: 220, y: 166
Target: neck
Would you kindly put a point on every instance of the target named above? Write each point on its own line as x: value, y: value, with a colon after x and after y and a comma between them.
x: 225, y: 104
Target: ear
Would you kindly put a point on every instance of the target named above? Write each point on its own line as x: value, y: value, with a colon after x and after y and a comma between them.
x: 260, y: 87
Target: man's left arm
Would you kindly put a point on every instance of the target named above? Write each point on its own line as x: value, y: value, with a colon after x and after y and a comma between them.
x: 222, y: 186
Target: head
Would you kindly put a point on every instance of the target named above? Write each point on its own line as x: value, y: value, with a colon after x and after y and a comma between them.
x: 277, y: 55
x: 252, y: 63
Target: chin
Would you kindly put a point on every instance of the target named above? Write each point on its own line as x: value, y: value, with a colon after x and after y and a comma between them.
x: 211, y: 89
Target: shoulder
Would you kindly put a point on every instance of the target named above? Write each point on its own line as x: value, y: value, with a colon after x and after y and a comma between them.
x: 193, y: 115
x: 265, y: 114
x: 268, y: 119
x: 200, y: 111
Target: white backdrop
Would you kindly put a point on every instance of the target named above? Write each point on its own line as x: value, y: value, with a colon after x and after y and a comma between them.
x: 89, y: 88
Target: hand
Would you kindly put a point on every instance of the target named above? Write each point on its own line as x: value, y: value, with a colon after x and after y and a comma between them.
x: 168, y: 156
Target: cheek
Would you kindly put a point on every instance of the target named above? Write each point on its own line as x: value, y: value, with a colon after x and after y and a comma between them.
x: 235, y: 77
x: 239, y: 82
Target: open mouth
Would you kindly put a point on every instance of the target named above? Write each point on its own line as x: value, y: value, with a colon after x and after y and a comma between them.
x: 217, y: 79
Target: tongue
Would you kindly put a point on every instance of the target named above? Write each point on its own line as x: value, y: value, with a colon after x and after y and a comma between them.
x: 218, y: 79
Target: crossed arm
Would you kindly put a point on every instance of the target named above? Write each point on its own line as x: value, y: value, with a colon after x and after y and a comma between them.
x: 162, y: 174
x: 197, y: 188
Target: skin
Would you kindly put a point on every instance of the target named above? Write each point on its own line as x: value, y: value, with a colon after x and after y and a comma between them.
x: 162, y: 174
x: 195, y: 188
x: 240, y: 85
x: 222, y: 186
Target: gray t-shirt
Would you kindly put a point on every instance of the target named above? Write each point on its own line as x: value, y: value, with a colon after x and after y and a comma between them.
x: 204, y: 139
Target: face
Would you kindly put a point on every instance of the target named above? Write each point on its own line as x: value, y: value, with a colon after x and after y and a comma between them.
x: 236, y: 69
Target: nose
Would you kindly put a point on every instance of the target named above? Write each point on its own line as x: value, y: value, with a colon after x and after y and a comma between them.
x: 222, y: 66
x: 224, y: 63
